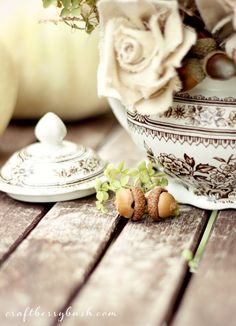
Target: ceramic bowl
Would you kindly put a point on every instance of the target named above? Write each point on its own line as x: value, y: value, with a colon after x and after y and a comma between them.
x: 194, y: 142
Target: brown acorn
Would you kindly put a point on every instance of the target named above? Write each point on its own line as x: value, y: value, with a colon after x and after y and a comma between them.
x: 161, y: 204
x: 191, y: 73
x: 131, y: 203
x: 218, y: 65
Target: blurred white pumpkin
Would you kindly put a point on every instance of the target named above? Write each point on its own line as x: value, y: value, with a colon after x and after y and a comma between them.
x: 56, y: 66
x: 8, y: 87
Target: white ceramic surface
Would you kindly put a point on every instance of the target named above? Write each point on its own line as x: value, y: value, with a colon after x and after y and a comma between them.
x: 52, y: 169
x: 194, y: 142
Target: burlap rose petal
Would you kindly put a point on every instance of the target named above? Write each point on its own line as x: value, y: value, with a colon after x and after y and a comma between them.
x: 125, y: 39
x: 143, y: 42
x: 109, y: 84
x: 173, y: 32
x: 189, y: 39
x: 146, y: 82
x: 134, y: 10
x: 161, y: 101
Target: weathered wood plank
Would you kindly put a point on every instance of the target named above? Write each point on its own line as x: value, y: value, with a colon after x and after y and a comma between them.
x: 54, y: 259
x: 15, y: 137
x: 92, y: 132
x: 16, y: 221
x: 211, y: 296
x: 141, y: 274
x: 120, y: 147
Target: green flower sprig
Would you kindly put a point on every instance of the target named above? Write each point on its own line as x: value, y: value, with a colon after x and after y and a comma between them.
x: 78, y: 14
x: 145, y: 176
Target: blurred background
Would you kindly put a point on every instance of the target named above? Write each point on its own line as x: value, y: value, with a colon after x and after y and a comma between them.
x: 45, y: 66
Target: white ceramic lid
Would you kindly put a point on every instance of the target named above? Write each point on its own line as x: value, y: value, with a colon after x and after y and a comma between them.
x: 52, y: 169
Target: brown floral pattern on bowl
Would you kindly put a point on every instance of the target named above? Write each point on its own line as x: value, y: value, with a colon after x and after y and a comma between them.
x: 209, y: 180
x: 198, y: 115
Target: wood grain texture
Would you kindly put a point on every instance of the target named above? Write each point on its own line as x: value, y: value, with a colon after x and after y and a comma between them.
x: 211, y: 296
x: 140, y: 276
x: 54, y: 259
x: 120, y: 147
x: 92, y: 132
x: 14, y: 138
x: 61, y: 251
x: 16, y: 221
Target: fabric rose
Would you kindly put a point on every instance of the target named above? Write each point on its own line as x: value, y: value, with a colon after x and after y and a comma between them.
x: 219, y: 17
x: 143, y: 42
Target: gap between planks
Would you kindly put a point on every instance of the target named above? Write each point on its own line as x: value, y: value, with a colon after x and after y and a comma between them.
x: 114, y: 235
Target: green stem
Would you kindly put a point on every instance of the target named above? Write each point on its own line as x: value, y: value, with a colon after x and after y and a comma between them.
x: 194, y: 263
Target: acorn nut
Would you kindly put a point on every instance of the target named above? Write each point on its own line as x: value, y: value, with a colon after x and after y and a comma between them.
x: 161, y: 204
x: 191, y: 73
x: 218, y: 65
x: 131, y: 203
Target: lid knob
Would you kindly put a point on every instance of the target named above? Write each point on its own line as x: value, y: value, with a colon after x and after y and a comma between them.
x: 50, y: 130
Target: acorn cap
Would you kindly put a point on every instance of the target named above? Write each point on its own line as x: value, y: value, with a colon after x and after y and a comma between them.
x: 191, y: 73
x: 139, y: 204
x: 153, y: 199
x: 204, y: 46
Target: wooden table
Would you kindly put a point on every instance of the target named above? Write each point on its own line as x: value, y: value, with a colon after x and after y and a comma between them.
x: 69, y: 262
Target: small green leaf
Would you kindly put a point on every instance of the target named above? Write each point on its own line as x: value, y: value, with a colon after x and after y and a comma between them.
x: 76, y: 12
x: 75, y: 4
x: 144, y: 177
x: 124, y: 180
x: 65, y: 12
x: 162, y: 182
x: 187, y: 255
x: 47, y: 3
x: 100, y: 207
x: 100, y: 196
x: 115, y: 185
x: 142, y: 166
x: 66, y: 3
x: 98, y: 184
x: 105, y: 187
x: 133, y: 173
x: 121, y: 166
x: 105, y: 196
x: 110, y: 167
